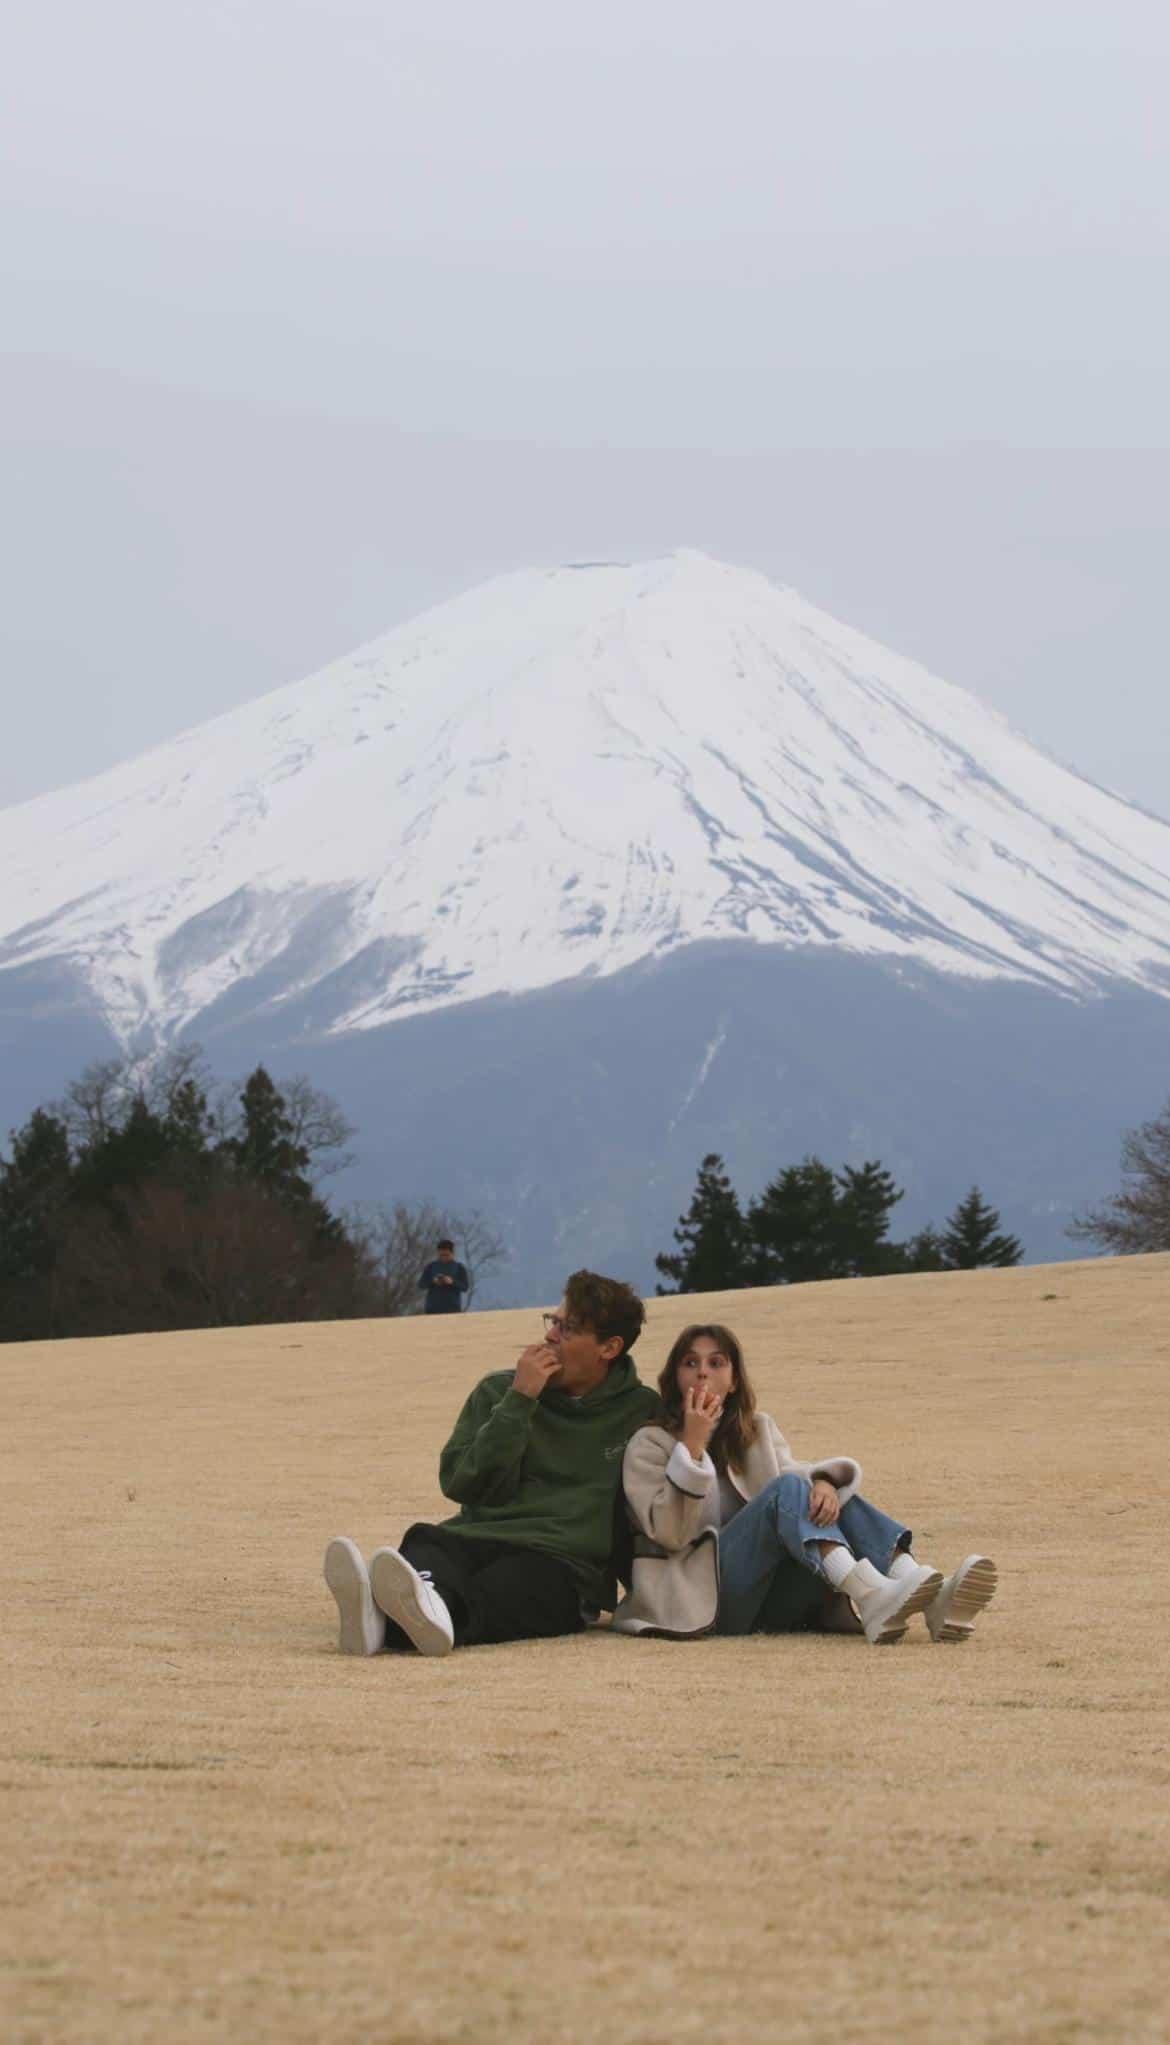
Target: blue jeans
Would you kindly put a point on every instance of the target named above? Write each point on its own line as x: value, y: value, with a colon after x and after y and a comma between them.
x: 771, y: 1579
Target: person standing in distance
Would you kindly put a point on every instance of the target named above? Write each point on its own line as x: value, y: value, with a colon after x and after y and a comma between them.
x: 444, y: 1281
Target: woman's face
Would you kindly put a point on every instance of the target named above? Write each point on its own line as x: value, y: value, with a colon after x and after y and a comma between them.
x: 705, y: 1364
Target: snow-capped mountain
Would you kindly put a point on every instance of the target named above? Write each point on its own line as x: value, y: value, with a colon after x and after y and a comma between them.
x: 560, y: 774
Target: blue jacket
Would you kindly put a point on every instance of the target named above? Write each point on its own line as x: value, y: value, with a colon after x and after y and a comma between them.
x: 444, y: 1299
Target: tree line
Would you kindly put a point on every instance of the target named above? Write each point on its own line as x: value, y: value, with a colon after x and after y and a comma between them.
x: 812, y: 1222
x: 159, y: 1199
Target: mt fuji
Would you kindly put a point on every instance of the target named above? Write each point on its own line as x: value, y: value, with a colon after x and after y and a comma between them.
x: 709, y: 818
x: 564, y: 773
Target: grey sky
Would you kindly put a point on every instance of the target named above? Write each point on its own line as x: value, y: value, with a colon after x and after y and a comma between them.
x: 315, y: 314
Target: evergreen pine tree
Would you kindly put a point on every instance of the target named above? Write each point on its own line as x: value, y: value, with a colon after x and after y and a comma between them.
x: 187, y: 1121
x: 971, y: 1237
x: 123, y: 1156
x: 866, y: 1197
x: 794, y: 1227
x: 34, y: 1187
x: 923, y: 1252
x: 712, y: 1238
x: 265, y: 1148
x: 122, y: 1213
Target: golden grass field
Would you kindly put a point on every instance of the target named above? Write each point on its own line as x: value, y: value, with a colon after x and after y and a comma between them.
x: 215, y: 1827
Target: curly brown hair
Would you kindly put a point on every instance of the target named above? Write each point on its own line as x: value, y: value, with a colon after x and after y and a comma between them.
x: 736, y: 1431
x: 605, y: 1306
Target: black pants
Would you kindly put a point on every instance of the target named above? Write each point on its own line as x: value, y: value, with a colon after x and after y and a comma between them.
x: 493, y: 1590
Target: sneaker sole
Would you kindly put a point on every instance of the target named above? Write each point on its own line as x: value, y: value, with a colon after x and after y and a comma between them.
x: 395, y: 1594
x: 895, y: 1626
x: 975, y: 1585
x: 362, y: 1629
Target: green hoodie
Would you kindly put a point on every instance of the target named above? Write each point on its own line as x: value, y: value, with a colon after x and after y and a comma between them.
x: 544, y: 1473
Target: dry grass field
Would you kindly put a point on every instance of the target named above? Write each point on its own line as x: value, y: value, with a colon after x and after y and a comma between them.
x: 215, y: 1827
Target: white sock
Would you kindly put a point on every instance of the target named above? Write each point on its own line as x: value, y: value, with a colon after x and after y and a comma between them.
x: 838, y: 1562
x: 903, y: 1564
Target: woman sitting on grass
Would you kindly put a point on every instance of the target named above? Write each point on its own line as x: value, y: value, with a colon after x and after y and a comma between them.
x: 730, y: 1533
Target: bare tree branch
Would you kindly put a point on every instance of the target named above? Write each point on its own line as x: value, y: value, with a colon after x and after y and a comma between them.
x: 161, y: 1079
x: 396, y: 1242
x: 93, y: 1104
x: 101, y: 1098
x: 479, y: 1245
x: 1135, y: 1221
x: 318, y: 1126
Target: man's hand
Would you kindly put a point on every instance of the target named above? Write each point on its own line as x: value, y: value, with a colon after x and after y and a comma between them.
x: 824, y: 1505
x: 536, y: 1366
x: 701, y: 1410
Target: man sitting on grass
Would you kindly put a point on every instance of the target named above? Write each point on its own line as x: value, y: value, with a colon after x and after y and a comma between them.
x: 535, y: 1466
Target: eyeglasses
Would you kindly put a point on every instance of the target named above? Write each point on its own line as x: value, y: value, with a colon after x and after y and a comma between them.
x: 562, y: 1327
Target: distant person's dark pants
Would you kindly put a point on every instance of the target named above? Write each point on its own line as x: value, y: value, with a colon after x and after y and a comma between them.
x: 494, y: 1590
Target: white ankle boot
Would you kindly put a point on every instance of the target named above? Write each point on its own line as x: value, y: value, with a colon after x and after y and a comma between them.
x: 886, y: 1604
x: 960, y: 1597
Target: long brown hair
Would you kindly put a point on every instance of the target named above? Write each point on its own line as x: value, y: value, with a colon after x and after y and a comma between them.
x: 736, y: 1431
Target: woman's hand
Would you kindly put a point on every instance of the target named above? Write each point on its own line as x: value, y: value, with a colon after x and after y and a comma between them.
x: 701, y: 1410
x: 823, y: 1502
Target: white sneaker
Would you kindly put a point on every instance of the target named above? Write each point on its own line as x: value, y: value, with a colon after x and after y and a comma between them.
x: 409, y: 1597
x: 962, y: 1596
x: 886, y: 1611
x: 363, y: 1627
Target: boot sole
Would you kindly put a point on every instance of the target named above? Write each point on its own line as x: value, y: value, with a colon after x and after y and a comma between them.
x: 362, y: 1628
x: 975, y: 1586
x: 895, y: 1626
x: 396, y: 1594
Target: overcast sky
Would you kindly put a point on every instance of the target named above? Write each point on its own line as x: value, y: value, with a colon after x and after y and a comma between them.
x: 314, y: 314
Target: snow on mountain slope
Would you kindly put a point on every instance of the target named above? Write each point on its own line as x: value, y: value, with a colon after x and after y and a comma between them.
x: 563, y: 772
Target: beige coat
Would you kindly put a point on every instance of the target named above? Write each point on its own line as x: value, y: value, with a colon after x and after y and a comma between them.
x: 673, y: 1502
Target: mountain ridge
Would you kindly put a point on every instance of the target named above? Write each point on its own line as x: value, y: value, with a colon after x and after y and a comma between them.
x: 563, y: 772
